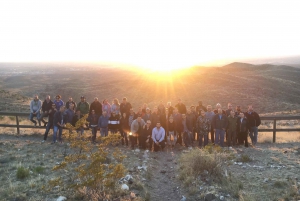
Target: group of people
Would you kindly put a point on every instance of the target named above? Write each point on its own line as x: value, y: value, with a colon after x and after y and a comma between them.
x: 146, y: 128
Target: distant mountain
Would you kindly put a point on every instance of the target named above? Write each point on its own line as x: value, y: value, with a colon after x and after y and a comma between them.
x: 293, y: 61
x: 247, y: 66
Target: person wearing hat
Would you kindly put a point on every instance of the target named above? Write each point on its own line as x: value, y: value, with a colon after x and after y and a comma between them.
x: 83, y: 106
x: 158, y: 137
x: 136, y: 130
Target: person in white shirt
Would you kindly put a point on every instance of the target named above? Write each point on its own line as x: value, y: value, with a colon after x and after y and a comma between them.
x: 158, y: 136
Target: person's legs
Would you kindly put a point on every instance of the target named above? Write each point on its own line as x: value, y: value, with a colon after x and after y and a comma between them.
x: 156, y: 147
x: 205, y: 139
x: 251, y: 134
x: 179, y: 137
x: 229, y: 137
x: 59, y: 134
x: 190, y: 136
x: 255, y: 131
x: 55, y: 129
x: 233, y: 138
x: 185, y: 136
x: 162, y: 144
x: 105, y: 132
x: 126, y: 139
x: 246, y: 138
x: 150, y: 144
x: 42, y: 117
x: 31, y: 118
x: 212, y: 135
x: 38, y: 117
x: 222, y: 135
x: 200, y: 138
x: 47, y: 130
x: 94, y: 134
x: 217, y: 139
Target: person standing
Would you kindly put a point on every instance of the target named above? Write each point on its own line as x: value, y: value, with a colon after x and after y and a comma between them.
x: 58, y: 124
x: 97, y: 106
x: 115, y: 107
x: 171, y: 135
x: 75, y: 119
x: 161, y: 108
x: 170, y: 108
x: 106, y: 107
x: 58, y: 102
x: 93, y: 119
x: 187, y: 131
x: 83, y: 106
x: 242, y: 129
x: 231, y: 129
x: 70, y: 113
x: 200, y: 107
x: 46, y: 107
x: 181, y: 107
x: 253, y: 121
x: 35, y: 110
x: 50, y: 121
x: 70, y: 101
x: 203, y: 128
x: 191, y: 119
x: 136, y: 130
x: 220, y: 123
x: 155, y: 117
x: 125, y: 106
x: 124, y: 129
x: 210, y: 114
x: 103, y: 124
x: 146, y: 136
x: 229, y: 109
x: 114, y: 123
x: 178, y: 125
x: 147, y: 115
x: 131, y: 117
x: 158, y: 137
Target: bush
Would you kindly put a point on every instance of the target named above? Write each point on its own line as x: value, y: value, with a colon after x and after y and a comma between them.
x: 244, y: 158
x: 39, y: 169
x: 22, y: 173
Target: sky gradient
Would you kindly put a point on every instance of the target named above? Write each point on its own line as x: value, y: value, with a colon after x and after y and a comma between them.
x: 154, y: 34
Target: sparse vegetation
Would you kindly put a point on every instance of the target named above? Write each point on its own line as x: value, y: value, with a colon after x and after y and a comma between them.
x: 22, y: 173
x: 244, y: 158
x: 39, y: 169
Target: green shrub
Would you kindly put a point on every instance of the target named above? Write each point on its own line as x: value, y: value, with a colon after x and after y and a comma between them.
x: 244, y: 158
x: 22, y: 173
x: 39, y: 169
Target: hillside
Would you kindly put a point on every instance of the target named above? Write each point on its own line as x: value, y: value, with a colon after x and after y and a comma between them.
x: 269, y: 88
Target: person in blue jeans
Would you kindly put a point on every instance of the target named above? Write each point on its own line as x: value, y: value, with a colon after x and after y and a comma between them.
x: 220, y: 123
x: 35, y: 110
x: 58, y: 124
x: 253, y: 121
x: 103, y: 124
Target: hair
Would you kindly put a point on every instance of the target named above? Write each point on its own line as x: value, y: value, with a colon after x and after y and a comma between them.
x: 59, y: 96
x: 124, y: 98
x: 117, y: 100
x: 208, y: 106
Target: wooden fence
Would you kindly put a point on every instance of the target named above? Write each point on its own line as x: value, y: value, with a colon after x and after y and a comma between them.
x: 264, y: 118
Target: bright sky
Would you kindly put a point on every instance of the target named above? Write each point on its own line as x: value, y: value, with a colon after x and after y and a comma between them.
x: 157, y: 34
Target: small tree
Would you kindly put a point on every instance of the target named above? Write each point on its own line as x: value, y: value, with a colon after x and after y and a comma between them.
x: 97, y: 171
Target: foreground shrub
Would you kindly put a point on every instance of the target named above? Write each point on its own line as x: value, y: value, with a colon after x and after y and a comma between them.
x: 22, y: 173
x: 95, y: 170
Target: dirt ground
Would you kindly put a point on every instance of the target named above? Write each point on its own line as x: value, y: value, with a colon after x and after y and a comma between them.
x: 272, y: 173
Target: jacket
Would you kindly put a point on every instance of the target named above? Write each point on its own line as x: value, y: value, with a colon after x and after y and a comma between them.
x: 178, y: 122
x: 47, y: 106
x: 191, y: 121
x: 181, y: 108
x: 114, y: 122
x: 218, y: 123
x: 147, y: 117
x: 58, y: 104
x: 125, y: 108
x: 242, y: 126
x: 232, y: 123
x: 97, y: 106
x: 84, y: 107
x: 135, y: 126
x: 59, y: 117
x: 68, y: 104
x: 75, y: 119
x: 253, y: 119
x: 203, y: 125
x: 93, y: 119
x: 70, y: 114
x: 35, y: 106
x: 103, y: 121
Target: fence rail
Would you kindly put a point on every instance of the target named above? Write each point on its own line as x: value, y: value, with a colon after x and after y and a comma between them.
x: 264, y: 118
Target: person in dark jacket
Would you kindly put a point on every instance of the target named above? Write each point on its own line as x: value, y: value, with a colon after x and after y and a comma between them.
x: 242, y: 129
x: 103, y: 124
x: 147, y: 115
x: 76, y: 117
x: 58, y: 124
x: 187, y: 131
x: 192, y: 123
x: 254, y: 122
x: 220, y: 123
x: 69, y: 102
x: 178, y: 125
x: 124, y: 129
x: 97, y: 106
x: 125, y: 106
x: 200, y: 107
x: 83, y: 106
x: 50, y: 121
x: 231, y: 129
x: 70, y: 113
x: 114, y: 123
x: 93, y: 123
x: 218, y: 105
x: 155, y: 116
x: 181, y: 107
x: 46, y: 107
x: 146, y: 136
x: 170, y: 108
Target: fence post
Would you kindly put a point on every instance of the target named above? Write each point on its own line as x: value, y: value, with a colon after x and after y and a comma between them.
x: 18, y: 128
x: 274, y: 130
